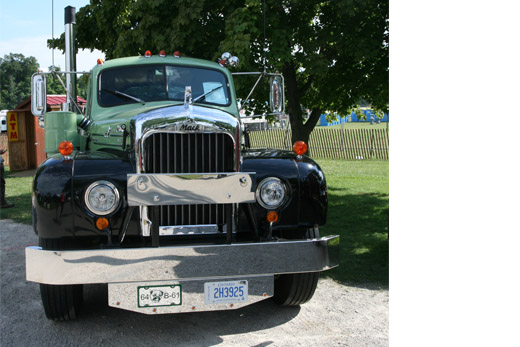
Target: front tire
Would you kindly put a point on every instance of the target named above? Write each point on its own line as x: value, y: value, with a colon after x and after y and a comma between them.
x: 296, y: 289
x: 60, y: 302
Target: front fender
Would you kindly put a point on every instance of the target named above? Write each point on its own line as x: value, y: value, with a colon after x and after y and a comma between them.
x: 53, y: 212
x: 307, y: 203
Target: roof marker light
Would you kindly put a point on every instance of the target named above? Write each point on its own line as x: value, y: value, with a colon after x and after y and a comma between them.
x: 177, y: 54
x: 147, y: 54
x: 162, y: 53
x: 100, y: 61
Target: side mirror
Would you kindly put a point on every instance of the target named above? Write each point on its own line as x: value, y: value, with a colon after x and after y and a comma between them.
x: 38, y: 95
x: 276, y: 94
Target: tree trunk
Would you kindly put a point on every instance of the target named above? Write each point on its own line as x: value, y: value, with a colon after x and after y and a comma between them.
x: 300, y: 131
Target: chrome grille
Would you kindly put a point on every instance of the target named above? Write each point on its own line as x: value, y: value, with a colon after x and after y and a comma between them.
x: 189, y: 153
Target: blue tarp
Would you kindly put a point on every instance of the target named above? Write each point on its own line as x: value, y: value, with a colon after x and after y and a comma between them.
x: 353, y: 118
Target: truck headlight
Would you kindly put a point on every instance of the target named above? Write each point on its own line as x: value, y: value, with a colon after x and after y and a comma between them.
x: 102, y: 198
x: 271, y: 193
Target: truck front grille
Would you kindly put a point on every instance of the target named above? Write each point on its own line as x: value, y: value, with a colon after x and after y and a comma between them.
x: 189, y: 153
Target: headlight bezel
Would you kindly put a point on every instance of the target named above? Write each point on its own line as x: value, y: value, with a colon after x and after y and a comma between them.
x: 94, y: 210
x: 263, y: 183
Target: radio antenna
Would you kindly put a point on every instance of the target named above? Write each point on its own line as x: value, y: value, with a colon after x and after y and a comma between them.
x: 52, y: 35
x: 264, y: 41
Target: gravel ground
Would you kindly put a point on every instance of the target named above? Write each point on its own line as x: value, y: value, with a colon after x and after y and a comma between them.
x: 337, y: 315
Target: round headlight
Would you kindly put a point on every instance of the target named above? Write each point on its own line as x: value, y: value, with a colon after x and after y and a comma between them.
x: 102, y: 198
x: 271, y: 193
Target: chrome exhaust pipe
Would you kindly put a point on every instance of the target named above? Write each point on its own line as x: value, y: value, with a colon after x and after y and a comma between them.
x: 70, y: 58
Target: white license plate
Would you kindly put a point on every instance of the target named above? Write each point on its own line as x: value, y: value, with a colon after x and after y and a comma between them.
x: 228, y: 292
x: 167, y: 295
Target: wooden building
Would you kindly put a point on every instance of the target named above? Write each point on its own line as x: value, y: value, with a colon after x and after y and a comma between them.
x: 26, y: 137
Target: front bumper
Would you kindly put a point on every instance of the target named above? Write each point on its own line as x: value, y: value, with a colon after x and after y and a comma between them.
x: 184, y: 189
x: 181, y: 263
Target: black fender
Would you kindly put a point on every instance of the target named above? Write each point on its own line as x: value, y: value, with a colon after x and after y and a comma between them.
x: 307, y: 203
x: 58, y: 194
x: 52, y: 205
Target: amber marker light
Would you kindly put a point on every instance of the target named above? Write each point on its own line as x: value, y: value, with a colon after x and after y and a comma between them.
x: 162, y: 53
x: 147, y: 54
x: 177, y: 54
x: 272, y: 217
x: 102, y: 223
x: 300, y: 147
x: 65, y: 148
x: 100, y: 61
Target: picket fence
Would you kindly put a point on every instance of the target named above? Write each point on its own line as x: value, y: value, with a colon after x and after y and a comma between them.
x: 330, y: 143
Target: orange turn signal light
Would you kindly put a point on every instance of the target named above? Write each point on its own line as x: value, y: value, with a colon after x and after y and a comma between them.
x: 65, y: 148
x: 147, y: 54
x: 272, y: 217
x: 102, y: 223
x: 300, y: 148
x: 162, y: 53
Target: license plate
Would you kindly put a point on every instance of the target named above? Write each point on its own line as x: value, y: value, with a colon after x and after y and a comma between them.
x: 228, y: 292
x: 167, y: 295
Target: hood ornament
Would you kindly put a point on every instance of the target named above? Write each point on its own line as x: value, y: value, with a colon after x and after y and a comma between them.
x: 188, y: 102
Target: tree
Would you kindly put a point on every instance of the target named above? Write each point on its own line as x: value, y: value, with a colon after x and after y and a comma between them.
x: 331, y: 53
x: 15, y: 79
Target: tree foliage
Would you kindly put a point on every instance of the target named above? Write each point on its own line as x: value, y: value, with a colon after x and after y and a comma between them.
x: 15, y: 79
x: 331, y: 53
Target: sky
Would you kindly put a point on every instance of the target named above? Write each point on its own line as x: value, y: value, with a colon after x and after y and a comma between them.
x: 26, y: 25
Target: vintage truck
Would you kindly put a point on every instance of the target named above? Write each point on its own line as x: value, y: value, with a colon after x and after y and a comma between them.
x: 151, y: 190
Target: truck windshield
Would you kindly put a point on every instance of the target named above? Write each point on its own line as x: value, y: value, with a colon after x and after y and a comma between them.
x: 145, y: 83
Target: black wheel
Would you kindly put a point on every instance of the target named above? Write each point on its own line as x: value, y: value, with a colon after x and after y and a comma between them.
x: 296, y: 289
x: 60, y: 302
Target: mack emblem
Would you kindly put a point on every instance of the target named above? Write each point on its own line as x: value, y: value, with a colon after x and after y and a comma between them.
x: 187, y: 127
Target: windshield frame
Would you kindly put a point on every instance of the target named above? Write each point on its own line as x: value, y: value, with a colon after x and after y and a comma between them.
x: 225, y: 87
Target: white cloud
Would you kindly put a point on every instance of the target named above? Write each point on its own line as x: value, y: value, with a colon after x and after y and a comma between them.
x: 37, y: 47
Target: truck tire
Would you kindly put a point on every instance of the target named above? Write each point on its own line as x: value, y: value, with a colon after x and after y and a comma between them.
x: 296, y: 289
x: 60, y: 302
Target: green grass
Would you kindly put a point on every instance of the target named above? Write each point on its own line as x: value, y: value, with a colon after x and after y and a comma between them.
x: 358, y: 212
x: 18, y: 192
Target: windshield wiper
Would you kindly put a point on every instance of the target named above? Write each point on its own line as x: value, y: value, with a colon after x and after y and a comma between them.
x: 118, y: 93
x: 203, y: 95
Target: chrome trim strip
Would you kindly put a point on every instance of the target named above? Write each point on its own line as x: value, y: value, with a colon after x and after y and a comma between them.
x: 188, y: 229
x: 181, y: 263
x: 185, y: 189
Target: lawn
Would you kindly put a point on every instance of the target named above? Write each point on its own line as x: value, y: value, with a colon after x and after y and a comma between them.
x: 358, y: 212
x: 18, y: 192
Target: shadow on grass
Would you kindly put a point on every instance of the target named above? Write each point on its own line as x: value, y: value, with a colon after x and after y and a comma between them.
x: 18, y: 192
x: 22, y: 210
x: 361, y: 220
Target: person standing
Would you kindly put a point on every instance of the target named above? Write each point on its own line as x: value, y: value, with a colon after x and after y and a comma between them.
x: 4, y: 203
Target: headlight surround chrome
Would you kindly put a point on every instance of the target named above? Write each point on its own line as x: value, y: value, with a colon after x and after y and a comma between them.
x: 271, y: 193
x: 102, y: 198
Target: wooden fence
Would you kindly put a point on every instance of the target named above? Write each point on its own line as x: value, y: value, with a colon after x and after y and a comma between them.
x: 330, y: 143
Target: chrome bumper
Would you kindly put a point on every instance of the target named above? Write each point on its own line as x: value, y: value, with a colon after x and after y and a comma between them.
x: 181, y: 263
x: 185, y: 189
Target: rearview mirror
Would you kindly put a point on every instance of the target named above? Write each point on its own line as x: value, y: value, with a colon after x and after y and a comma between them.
x: 276, y: 94
x: 38, y: 95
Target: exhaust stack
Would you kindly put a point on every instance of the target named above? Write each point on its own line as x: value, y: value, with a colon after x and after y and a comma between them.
x: 70, y: 57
